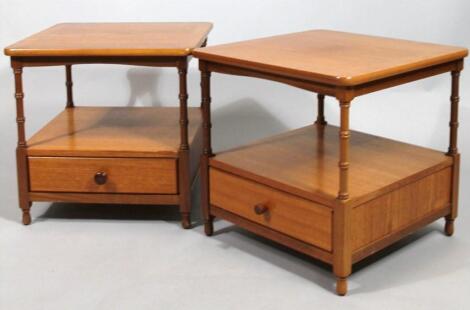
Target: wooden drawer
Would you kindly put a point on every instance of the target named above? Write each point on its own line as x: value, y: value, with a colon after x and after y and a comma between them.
x: 285, y: 213
x: 123, y: 175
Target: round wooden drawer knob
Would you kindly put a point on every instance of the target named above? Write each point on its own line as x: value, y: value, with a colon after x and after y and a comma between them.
x: 260, y: 209
x: 101, y: 178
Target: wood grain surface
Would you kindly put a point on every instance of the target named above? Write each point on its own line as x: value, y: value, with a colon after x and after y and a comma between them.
x: 331, y: 57
x: 115, y: 131
x: 123, y: 175
x: 305, y: 162
x: 288, y: 214
x: 114, y: 39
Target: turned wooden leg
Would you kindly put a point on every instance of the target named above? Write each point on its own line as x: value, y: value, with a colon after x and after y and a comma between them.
x: 69, y: 85
x: 453, y: 152
x: 342, y: 252
x: 183, y: 158
x: 207, y: 148
x: 341, y: 286
x: 321, y: 110
x: 21, y: 154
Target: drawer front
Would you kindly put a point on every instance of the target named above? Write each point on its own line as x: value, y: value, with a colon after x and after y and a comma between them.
x: 103, y: 175
x: 285, y: 213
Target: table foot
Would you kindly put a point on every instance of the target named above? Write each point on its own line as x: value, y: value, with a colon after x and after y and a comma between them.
x: 185, y: 220
x: 209, y: 227
x: 26, y: 217
x: 449, y: 228
x: 341, y: 286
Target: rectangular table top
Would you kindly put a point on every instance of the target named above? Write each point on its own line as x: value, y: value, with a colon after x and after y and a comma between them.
x: 114, y: 39
x: 331, y: 57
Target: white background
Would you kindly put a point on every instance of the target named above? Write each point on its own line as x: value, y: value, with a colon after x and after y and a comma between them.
x: 231, y: 269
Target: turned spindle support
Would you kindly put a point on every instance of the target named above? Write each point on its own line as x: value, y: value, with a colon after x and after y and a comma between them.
x: 344, y: 135
x: 207, y: 148
x: 342, y: 254
x: 183, y: 162
x: 69, y: 85
x: 21, y: 157
x: 453, y: 151
x: 321, y: 110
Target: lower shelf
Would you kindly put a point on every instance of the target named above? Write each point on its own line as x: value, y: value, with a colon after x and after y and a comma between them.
x: 304, y: 162
x: 114, y: 155
x: 285, y: 187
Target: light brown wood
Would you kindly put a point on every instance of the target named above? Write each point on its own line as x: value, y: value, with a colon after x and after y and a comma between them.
x: 389, y: 239
x: 309, y: 160
x: 397, y: 188
x: 345, y: 93
x: 124, y: 175
x: 97, y: 135
x: 114, y: 39
x: 331, y: 57
x: 392, y: 212
x: 266, y: 232
x: 288, y: 214
x: 104, y: 198
x: 101, y: 132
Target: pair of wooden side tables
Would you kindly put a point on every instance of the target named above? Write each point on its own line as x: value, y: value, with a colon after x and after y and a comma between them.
x: 334, y: 194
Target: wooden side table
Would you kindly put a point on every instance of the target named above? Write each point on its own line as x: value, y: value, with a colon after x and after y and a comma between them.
x: 123, y: 155
x: 334, y: 194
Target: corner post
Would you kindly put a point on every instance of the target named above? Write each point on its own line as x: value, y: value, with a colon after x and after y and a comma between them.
x: 342, y: 252
x: 207, y: 147
x: 21, y: 155
x: 183, y: 158
x: 453, y: 151
x: 69, y: 85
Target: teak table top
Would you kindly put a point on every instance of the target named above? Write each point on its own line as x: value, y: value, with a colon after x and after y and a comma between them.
x: 113, y: 39
x: 331, y: 57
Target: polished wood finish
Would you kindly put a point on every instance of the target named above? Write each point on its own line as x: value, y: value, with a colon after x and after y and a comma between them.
x: 105, y: 175
x: 110, y: 155
x: 113, y: 39
x: 398, y: 234
x: 339, y: 92
x: 378, y: 190
x: 331, y: 57
x: 309, y: 160
x: 342, y: 236
x: 288, y: 214
x: 264, y: 231
x: 388, y: 213
x: 100, y: 132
